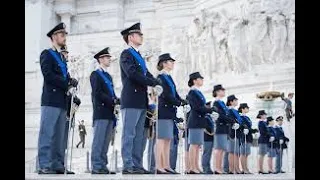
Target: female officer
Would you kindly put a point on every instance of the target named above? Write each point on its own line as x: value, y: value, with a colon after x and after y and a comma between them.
x: 168, y: 102
x: 196, y: 120
x: 222, y: 124
x: 234, y: 135
x: 246, y: 137
x: 263, y: 139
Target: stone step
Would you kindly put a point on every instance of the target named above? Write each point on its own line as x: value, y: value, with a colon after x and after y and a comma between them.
x: 87, y: 176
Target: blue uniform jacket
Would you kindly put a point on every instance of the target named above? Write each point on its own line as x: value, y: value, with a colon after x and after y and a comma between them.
x: 247, y: 125
x: 272, y: 132
x: 264, y: 133
x: 198, y: 111
x: 55, y: 87
x: 135, y: 83
x: 102, y: 100
x: 224, y: 121
x: 280, y: 135
x: 209, y: 128
x: 231, y: 132
x: 167, y: 101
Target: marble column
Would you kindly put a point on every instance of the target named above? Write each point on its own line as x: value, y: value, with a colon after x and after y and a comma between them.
x: 65, y: 9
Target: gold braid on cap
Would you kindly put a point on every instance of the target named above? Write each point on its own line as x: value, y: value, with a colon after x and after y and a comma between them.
x: 135, y: 31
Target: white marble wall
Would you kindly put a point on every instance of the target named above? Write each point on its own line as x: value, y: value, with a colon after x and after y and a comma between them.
x: 246, y: 45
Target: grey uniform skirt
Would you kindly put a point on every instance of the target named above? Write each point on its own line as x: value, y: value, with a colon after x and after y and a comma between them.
x: 234, y: 146
x: 245, y: 149
x: 196, y: 136
x: 165, y: 129
x: 272, y: 152
x: 221, y: 141
x: 263, y: 149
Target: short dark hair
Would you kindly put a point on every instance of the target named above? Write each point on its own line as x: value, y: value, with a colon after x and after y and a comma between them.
x: 125, y: 38
x: 228, y: 103
x: 160, y: 66
x: 240, y: 109
x: 214, y: 93
x: 190, y: 82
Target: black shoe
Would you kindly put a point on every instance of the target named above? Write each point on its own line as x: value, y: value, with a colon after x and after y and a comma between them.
x: 282, y: 171
x: 100, y: 171
x: 132, y: 171
x: 247, y: 172
x: 171, y: 171
x: 271, y: 172
x: 186, y: 172
x: 261, y: 172
x: 46, y: 171
x: 241, y: 172
x: 192, y: 172
x: 162, y: 172
x: 61, y: 171
x: 230, y: 172
x: 146, y: 171
x: 77, y: 146
x: 216, y: 172
x: 208, y: 172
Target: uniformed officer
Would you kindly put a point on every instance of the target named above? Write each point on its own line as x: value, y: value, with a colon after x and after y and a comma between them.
x: 234, y: 135
x: 208, y: 143
x: 104, y: 101
x: 196, y: 120
x: 246, y: 137
x: 135, y: 78
x: 82, y: 134
x: 263, y: 139
x: 283, y: 141
x: 169, y: 100
x: 222, y: 124
x: 273, y: 143
x: 57, y: 81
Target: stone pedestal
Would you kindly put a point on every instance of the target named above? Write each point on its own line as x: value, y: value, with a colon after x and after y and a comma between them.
x: 273, y: 108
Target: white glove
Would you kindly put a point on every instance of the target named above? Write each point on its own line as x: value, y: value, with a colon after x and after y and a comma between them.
x: 179, y: 113
x: 246, y: 131
x: 81, y: 129
x: 181, y: 126
x: 214, y: 115
x: 186, y: 108
x: 235, y: 126
x: 271, y: 139
x: 281, y: 141
x: 256, y: 135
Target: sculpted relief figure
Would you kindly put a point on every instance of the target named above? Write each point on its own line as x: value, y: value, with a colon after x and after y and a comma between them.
x: 259, y: 38
x: 194, y: 43
x: 279, y: 36
x: 206, y: 45
x: 291, y: 36
x: 238, y: 45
